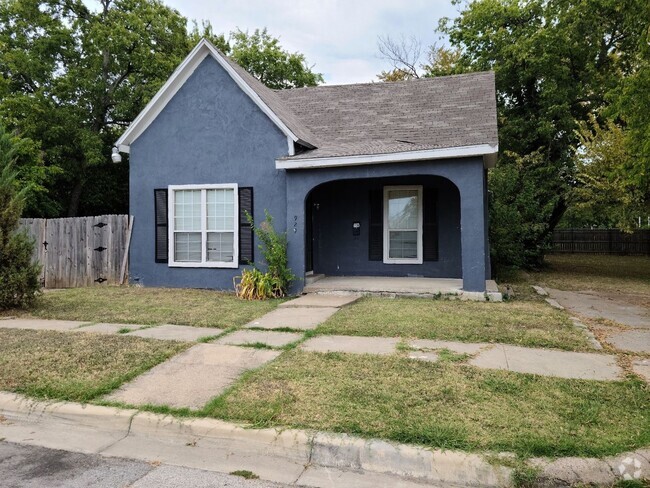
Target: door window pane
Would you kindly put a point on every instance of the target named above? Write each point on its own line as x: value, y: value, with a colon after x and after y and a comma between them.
x: 220, y: 246
x: 187, y: 247
x: 403, y: 209
x: 403, y: 244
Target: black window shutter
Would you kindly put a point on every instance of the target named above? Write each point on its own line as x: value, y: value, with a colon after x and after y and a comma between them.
x: 246, y: 248
x: 376, y: 230
x: 430, y: 225
x: 160, y: 210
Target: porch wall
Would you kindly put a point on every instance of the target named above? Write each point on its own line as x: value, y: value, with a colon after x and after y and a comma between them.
x: 467, y: 175
x: 339, y: 253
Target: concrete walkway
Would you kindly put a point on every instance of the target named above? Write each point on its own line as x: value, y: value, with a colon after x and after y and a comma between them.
x: 545, y: 362
x: 193, y: 377
x: 634, y: 336
x: 304, y: 313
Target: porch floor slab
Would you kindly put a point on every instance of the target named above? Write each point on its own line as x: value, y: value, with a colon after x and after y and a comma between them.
x: 392, y: 285
x: 351, y: 344
x: 298, y: 318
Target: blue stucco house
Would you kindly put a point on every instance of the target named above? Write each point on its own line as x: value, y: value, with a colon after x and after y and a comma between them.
x: 376, y: 179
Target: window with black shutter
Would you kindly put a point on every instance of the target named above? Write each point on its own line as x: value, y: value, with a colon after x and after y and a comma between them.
x: 246, y: 247
x: 162, y: 236
x: 430, y: 225
x: 376, y: 226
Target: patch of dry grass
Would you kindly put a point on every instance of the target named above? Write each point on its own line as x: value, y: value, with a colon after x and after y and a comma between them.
x: 526, y: 323
x: 149, y: 306
x: 76, y: 367
x: 442, y: 405
x: 625, y: 278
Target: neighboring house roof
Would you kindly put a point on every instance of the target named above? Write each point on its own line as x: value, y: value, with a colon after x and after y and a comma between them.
x: 443, y: 117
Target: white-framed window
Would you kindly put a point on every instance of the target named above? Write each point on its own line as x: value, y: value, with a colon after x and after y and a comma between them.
x: 203, y: 226
x: 403, y: 224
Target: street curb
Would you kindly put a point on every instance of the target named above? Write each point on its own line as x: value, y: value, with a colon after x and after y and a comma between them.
x: 306, y: 448
x: 99, y: 429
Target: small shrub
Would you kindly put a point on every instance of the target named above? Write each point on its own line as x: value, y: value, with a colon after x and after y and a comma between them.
x: 274, y: 283
x: 19, y: 277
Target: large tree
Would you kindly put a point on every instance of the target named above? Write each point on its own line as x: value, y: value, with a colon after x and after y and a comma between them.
x: 73, y: 76
x: 557, y: 64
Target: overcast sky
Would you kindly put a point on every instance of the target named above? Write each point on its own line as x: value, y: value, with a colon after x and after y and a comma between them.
x: 338, y: 36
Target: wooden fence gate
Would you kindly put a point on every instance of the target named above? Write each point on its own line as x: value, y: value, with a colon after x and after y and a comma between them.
x: 81, y: 251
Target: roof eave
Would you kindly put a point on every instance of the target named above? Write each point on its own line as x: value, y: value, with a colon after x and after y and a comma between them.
x: 487, y: 151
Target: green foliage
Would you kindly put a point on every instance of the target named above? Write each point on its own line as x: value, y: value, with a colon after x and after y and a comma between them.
x: 18, y: 276
x: 274, y: 283
x: 72, y: 77
x: 607, y: 193
x: 556, y: 65
x: 261, y: 55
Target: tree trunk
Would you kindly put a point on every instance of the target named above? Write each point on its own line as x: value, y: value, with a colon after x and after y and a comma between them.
x: 75, y: 197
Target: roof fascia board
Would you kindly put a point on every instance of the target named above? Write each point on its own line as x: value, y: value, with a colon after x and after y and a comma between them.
x: 487, y: 151
x: 176, y: 81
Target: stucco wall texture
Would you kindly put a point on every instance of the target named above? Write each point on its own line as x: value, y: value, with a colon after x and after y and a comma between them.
x: 212, y: 132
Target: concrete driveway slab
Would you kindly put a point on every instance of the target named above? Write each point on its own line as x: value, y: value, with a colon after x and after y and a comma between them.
x: 270, y: 338
x: 596, y: 306
x: 548, y: 362
x: 299, y: 318
x: 457, y: 347
x: 106, y: 328
x: 193, y: 377
x: 351, y: 344
x: 637, y: 340
x: 40, y: 324
x: 170, y: 332
x: 316, y: 300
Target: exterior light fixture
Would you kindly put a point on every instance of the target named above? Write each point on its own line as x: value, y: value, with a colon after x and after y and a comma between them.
x: 116, y: 157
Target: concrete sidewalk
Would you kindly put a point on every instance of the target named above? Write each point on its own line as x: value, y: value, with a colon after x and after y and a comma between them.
x: 545, y: 362
x: 288, y: 456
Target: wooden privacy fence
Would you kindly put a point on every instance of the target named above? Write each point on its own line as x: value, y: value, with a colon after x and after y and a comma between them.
x: 601, y: 241
x: 81, y: 251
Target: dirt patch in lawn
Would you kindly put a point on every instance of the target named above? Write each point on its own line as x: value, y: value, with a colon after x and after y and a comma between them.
x: 442, y: 405
x: 76, y: 367
x: 138, y: 305
x: 526, y: 323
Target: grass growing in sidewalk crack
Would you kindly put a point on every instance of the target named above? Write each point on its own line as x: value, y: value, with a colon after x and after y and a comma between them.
x: 249, y: 475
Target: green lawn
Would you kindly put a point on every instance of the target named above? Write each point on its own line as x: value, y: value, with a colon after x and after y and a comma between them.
x: 442, y: 405
x: 526, y: 323
x: 137, y: 305
x: 75, y: 366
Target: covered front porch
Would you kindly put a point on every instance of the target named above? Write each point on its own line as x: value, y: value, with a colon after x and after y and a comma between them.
x: 398, y: 286
x: 424, y: 220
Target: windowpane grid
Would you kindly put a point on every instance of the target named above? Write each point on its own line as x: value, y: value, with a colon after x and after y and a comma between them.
x: 204, y: 225
x: 403, y: 209
x: 402, y: 224
x: 187, y: 247
x: 220, y: 246
x: 403, y: 244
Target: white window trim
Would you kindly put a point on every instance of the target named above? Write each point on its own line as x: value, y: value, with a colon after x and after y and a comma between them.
x: 171, y: 189
x: 418, y: 259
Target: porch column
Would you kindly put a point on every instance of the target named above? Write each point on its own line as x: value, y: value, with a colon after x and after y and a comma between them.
x: 473, y: 225
x: 296, y: 195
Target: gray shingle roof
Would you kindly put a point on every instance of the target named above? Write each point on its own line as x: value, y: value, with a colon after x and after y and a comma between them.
x: 379, y: 118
